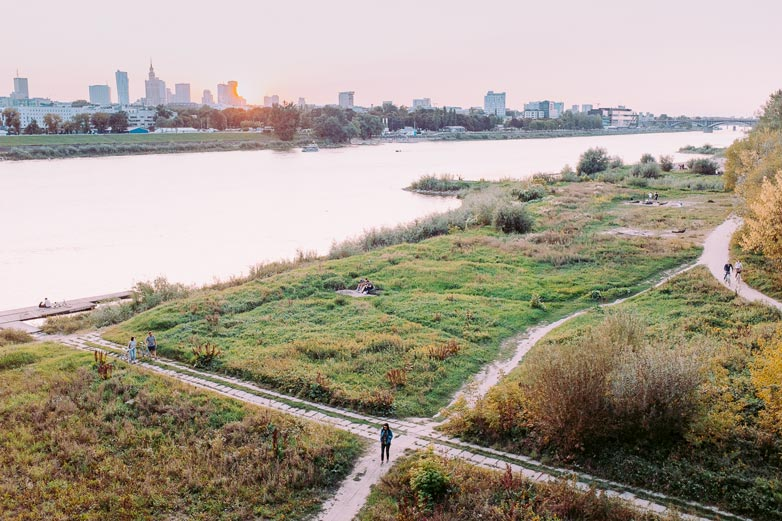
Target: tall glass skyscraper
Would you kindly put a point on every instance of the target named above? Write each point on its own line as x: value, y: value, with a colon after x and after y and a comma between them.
x: 123, y: 93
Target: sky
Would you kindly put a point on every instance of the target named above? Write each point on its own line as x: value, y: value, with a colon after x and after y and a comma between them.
x: 693, y: 57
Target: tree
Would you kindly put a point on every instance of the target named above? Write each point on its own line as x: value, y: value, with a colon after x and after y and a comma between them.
x: 12, y: 120
x: 162, y: 112
x: 118, y: 121
x: 771, y: 117
x: 100, y: 120
x: 80, y: 103
x: 703, y: 166
x: 285, y: 120
x: 593, y: 161
x: 33, y: 128
x: 647, y: 158
x: 81, y: 123
x: 53, y: 122
x: 764, y: 222
x: 369, y: 126
x: 666, y: 163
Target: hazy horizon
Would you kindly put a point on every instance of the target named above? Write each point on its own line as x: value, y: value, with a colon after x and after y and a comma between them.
x: 670, y: 57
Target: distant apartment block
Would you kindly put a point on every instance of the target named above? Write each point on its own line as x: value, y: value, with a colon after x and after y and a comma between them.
x: 494, y: 103
x: 181, y: 94
x: 228, y: 94
x: 123, y: 90
x: 21, y: 90
x: 586, y: 107
x: 155, y: 89
x: 346, y: 99
x: 543, y: 109
x: 100, y: 95
x: 207, y: 98
x: 422, y: 103
x: 574, y: 109
x: 270, y: 101
x: 137, y: 116
x: 620, y: 117
x: 302, y: 103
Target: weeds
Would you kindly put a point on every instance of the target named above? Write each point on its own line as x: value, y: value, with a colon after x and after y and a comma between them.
x: 102, y: 365
x: 205, y: 355
x: 14, y: 336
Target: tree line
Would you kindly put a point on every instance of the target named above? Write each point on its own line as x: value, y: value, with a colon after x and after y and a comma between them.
x: 84, y: 123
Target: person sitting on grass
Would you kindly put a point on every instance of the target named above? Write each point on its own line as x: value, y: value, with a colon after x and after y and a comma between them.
x: 361, y: 284
x: 368, y: 287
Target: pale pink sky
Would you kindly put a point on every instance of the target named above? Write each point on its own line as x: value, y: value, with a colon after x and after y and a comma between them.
x: 673, y: 56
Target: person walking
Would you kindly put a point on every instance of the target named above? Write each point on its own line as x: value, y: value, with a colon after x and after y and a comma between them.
x: 132, y: 350
x: 728, y: 268
x: 386, y: 435
x: 152, y: 344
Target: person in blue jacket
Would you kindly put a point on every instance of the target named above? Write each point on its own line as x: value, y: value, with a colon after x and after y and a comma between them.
x: 386, y: 435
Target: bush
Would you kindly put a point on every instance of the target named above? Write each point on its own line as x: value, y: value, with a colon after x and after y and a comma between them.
x: 512, y: 218
x: 593, y: 161
x: 529, y: 194
x: 14, y: 336
x: 616, y: 162
x: 443, y: 183
x: 429, y: 481
x: 536, y: 302
x: 647, y: 158
x: 14, y: 360
x: 702, y: 166
x: 66, y: 324
x: 646, y: 170
x: 666, y: 163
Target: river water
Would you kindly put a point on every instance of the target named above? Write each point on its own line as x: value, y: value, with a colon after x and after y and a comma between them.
x: 80, y: 227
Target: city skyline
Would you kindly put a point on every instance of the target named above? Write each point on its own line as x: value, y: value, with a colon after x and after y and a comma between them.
x: 667, y: 58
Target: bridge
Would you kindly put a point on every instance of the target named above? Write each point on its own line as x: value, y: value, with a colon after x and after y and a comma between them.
x: 704, y: 122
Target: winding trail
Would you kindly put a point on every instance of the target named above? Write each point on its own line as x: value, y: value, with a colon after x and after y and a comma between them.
x: 410, y: 434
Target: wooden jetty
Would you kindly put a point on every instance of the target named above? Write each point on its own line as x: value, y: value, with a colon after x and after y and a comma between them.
x: 15, y: 318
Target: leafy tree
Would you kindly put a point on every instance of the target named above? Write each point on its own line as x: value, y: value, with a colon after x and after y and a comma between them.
x: 331, y: 128
x: 80, y: 103
x: 81, y: 123
x: 703, y: 166
x: 369, y: 126
x: 12, y: 120
x: 593, y: 161
x: 647, y: 158
x: 33, y: 128
x: 285, y: 120
x: 764, y: 222
x: 666, y: 163
x: 118, y: 121
x: 162, y: 112
x: 52, y: 122
x: 771, y: 117
x: 100, y: 120
x: 217, y: 120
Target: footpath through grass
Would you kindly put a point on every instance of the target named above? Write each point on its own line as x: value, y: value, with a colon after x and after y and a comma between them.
x: 446, y: 303
x: 75, y: 446
x: 729, y: 451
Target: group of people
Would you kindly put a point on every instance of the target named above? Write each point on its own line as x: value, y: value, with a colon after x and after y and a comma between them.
x: 365, y: 286
x: 150, y: 345
x: 736, y: 268
x: 45, y: 303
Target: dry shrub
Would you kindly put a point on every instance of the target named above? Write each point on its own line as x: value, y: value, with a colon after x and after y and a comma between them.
x: 384, y: 343
x: 66, y: 324
x: 443, y: 351
x: 14, y: 336
x: 609, y: 383
x: 205, y: 355
x: 397, y: 377
x: 103, y: 366
x: 766, y: 371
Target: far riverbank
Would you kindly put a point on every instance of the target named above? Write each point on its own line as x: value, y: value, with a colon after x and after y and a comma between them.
x: 23, y: 148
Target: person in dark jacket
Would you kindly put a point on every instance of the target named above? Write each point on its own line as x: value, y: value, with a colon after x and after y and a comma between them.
x: 386, y: 435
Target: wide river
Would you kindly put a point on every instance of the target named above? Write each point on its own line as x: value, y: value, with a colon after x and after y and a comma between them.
x: 81, y: 227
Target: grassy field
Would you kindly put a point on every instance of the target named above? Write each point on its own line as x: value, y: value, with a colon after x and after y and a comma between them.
x: 446, y: 303
x: 728, y: 452
x: 758, y: 271
x: 426, y: 487
x: 138, y: 446
x: 89, y: 139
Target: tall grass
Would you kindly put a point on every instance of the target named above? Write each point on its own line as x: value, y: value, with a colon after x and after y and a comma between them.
x: 14, y: 336
x: 444, y: 183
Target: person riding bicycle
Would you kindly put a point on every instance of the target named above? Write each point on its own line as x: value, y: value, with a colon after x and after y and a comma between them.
x: 728, y: 268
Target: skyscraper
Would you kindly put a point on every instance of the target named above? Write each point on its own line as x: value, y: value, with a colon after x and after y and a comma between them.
x: 100, y: 95
x: 494, y: 103
x: 228, y: 94
x: 182, y: 93
x: 422, y: 103
x: 270, y: 101
x: 21, y: 90
x: 207, y: 98
x: 155, y: 89
x: 346, y: 99
x: 123, y: 91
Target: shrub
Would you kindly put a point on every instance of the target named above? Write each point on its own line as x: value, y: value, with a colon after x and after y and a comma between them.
x: 442, y: 183
x: 650, y: 170
x: 205, y: 355
x: 397, y: 377
x: 765, y: 371
x: 638, y: 182
x: 512, y: 218
x: 14, y: 336
x: 666, y: 163
x: 66, y: 324
x: 702, y: 166
x: 16, y: 359
x: 593, y: 161
x: 429, y: 482
x: 443, y: 351
x: 536, y: 302
x: 616, y: 162
x: 529, y: 194
x: 647, y: 158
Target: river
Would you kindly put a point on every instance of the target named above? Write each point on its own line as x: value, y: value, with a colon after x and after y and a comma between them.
x: 80, y: 227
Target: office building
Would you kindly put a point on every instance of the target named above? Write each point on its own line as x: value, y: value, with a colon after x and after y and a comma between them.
x: 181, y: 94
x: 228, y: 95
x: 21, y: 90
x: 207, y: 98
x: 620, y: 116
x: 100, y: 95
x: 155, y: 89
x: 422, y: 103
x: 574, y: 109
x: 346, y: 99
x: 302, y: 103
x: 585, y: 108
x: 123, y: 90
x: 494, y: 103
x: 270, y: 101
x: 543, y: 109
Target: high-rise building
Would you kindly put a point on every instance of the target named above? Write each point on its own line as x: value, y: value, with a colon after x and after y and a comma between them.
x: 207, y: 98
x: 422, y: 103
x: 181, y: 93
x: 574, y: 109
x: 228, y: 94
x: 155, y: 89
x: 21, y: 90
x: 559, y: 109
x: 169, y: 96
x: 585, y: 108
x: 270, y: 101
x: 346, y: 99
x: 100, y: 95
x: 302, y: 103
x: 543, y: 109
x: 123, y: 91
x: 494, y: 103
